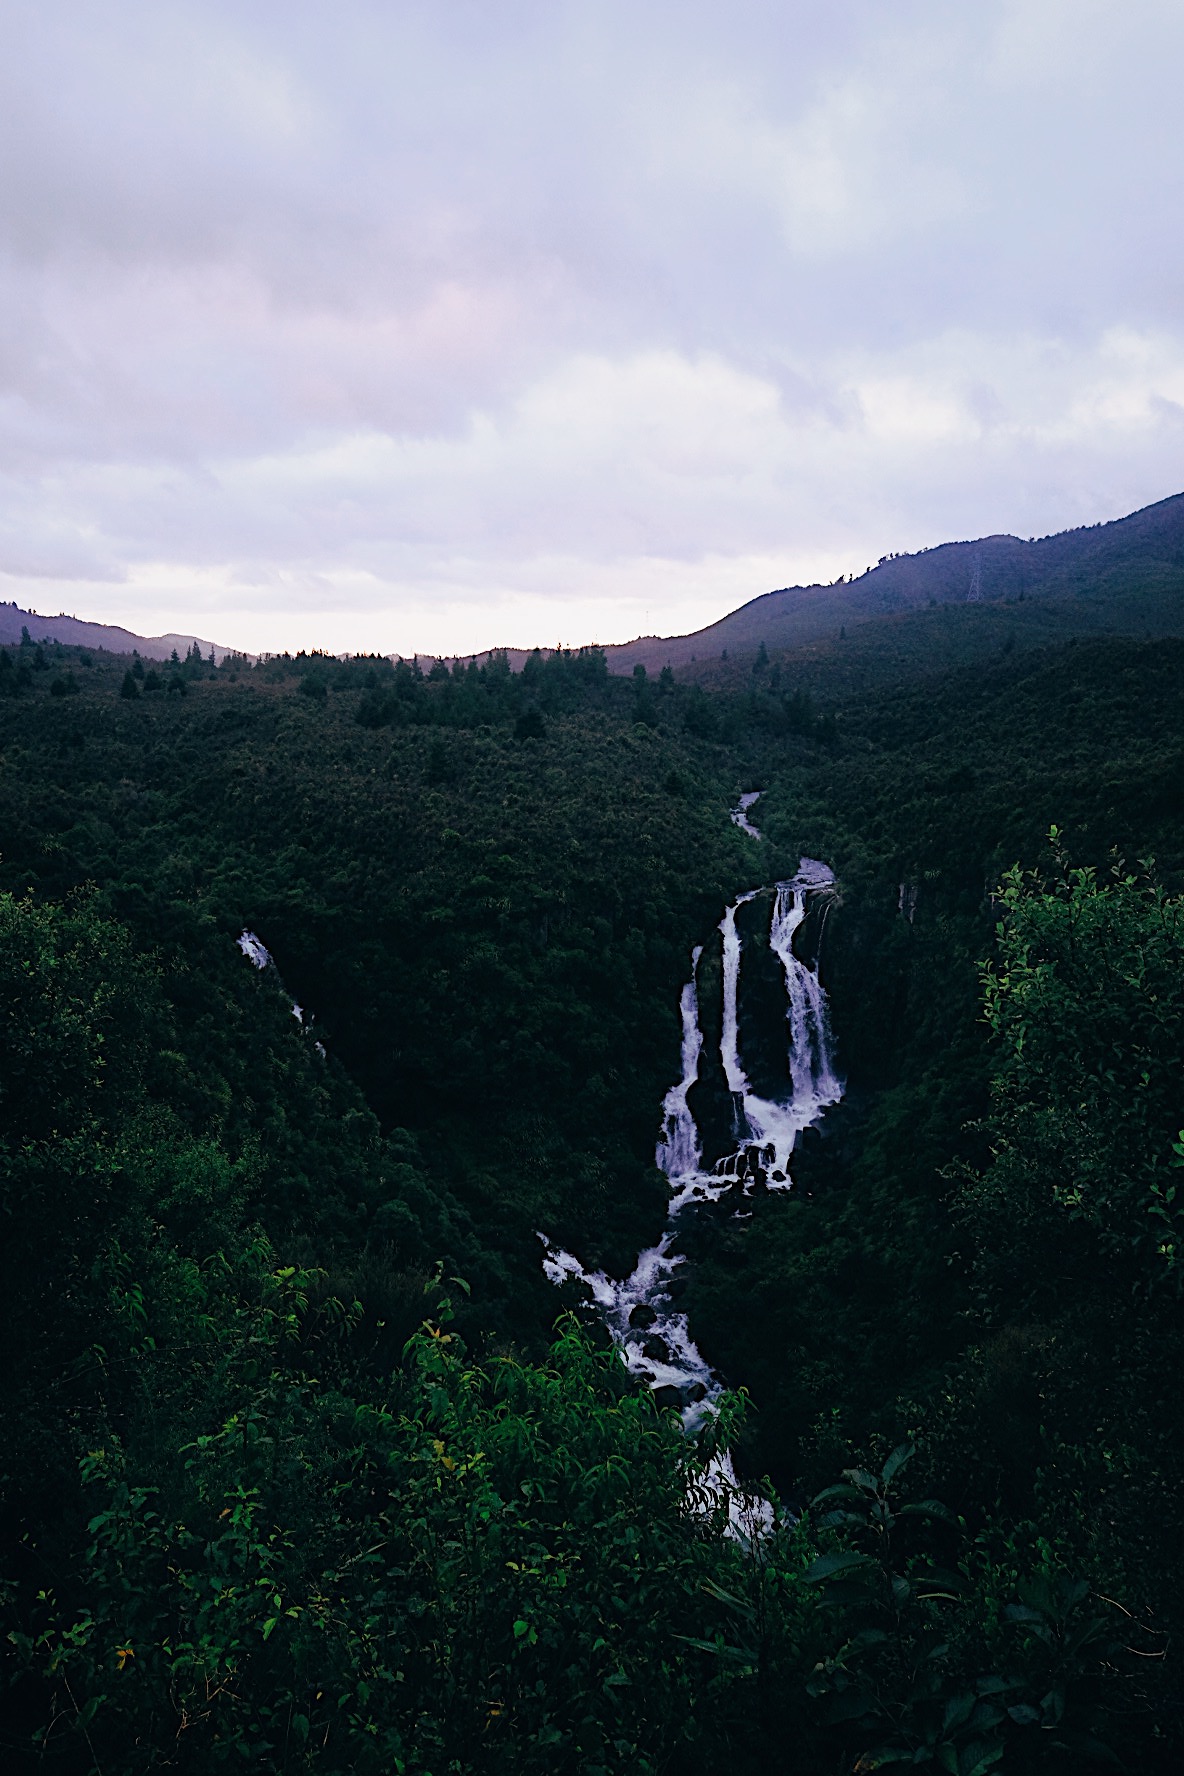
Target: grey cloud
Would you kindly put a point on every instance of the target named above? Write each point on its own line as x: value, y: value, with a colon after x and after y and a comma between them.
x: 374, y: 301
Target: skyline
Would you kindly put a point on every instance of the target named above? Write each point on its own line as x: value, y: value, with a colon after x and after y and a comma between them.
x: 426, y: 332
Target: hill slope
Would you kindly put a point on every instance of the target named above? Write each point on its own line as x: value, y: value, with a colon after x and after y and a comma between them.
x: 1122, y: 578
x: 1128, y: 576
x: 73, y: 632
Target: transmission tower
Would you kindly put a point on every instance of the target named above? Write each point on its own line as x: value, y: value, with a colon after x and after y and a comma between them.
x: 974, y: 592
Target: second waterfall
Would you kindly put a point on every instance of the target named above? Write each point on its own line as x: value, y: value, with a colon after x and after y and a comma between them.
x: 641, y: 1311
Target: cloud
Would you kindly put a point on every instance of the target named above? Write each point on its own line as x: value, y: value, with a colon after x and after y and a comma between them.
x: 438, y: 326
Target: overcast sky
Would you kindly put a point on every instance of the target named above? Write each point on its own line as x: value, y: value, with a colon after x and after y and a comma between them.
x: 426, y: 327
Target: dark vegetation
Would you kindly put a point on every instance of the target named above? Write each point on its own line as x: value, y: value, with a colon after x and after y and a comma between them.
x: 300, y: 1471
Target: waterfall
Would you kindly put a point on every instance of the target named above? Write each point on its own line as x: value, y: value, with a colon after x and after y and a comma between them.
x: 640, y: 1311
x: 254, y: 949
x: 740, y: 814
x: 654, y: 1340
x: 814, y: 1082
x: 260, y: 957
x: 729, y: 1048
x: 679, y: 1148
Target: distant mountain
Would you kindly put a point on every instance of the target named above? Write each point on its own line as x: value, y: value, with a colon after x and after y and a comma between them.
x: 1127, y: 576
x: 72, y: 632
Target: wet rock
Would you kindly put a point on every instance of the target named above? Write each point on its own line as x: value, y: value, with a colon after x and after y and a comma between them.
x: 642, y: 1316
x: 656, y: 1349
x: 668, y: 1397
x: 694, y: 1393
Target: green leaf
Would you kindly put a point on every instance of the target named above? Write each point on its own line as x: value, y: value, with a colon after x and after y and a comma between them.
x: 903, y: 1453
x: 842, y: 1490
x: 978, y: 1757
x: 928, y: 1508
x: 729, y: 1655
x: 938, y: 1581
x: 860, y: 1477
x: 828, y: 1566
x: 867, y: 1637
x: 958, y: 1711
x: 722, y: 1596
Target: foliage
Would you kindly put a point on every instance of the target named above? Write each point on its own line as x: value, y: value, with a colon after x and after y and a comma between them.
x: 222, y: 1226
x: 1086, y: 1002
x: 477, y: 1564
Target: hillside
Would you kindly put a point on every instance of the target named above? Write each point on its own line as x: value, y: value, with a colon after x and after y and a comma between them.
x: 956, y: 604
x: 1121, y: 578
x: 224, y: 1224
x: 74, y: 632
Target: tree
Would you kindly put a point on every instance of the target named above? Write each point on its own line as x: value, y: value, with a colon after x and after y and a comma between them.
x: 799, y: 712
x: 1086, y: 1003
x: 129, y: 688
x: 530, y: 726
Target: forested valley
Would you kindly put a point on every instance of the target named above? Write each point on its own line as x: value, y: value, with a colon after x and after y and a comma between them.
x: 307, y: 1466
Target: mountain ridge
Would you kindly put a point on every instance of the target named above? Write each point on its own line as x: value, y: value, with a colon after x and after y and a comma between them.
x: 1071, y: 565
x: 78, y: 632
x: 1077, y: 567
x: 989, y: 570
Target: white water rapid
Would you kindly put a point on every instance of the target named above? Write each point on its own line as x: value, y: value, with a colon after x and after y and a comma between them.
x: 740, y: 813
x: 639, y: 1311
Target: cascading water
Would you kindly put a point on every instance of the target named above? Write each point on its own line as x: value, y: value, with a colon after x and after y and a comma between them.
x: 679, y: 1149
x: 639, y: 1311
x: 260, y: 957
x: 765, y: 1129
x: 740, y: 813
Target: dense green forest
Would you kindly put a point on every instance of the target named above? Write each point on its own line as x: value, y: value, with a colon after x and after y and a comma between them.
x: 307, y: 1467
